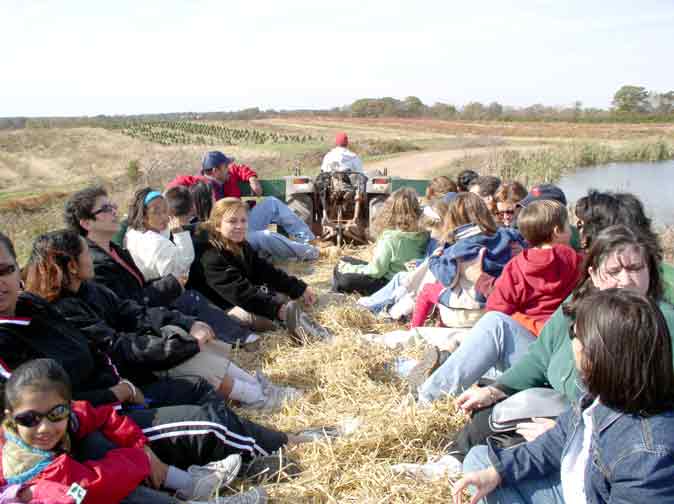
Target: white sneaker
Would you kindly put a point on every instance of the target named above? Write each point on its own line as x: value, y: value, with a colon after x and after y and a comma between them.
x: 446, y: 467
x: 402, y: 308
x: 256, y: 495
x: 211, y: 477
x: 274, y: 395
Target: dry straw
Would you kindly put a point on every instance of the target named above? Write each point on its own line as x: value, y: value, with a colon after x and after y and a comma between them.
x: 348, y: 382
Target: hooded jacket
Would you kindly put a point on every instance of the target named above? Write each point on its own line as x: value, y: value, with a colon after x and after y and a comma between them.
x: 107, y: 480
x: 341, y: 159
x: 160, y: 292
x: 534, y: 283
x: 393, y: 250
x: 129, y: 333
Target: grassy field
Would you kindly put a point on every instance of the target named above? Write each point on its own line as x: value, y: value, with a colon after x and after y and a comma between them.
x: 347, y: 381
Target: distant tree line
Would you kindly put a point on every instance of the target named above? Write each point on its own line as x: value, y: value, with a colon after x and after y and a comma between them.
x: 630, y: 104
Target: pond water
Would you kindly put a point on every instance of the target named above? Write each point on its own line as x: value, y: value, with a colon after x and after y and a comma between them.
x: 653, y: 183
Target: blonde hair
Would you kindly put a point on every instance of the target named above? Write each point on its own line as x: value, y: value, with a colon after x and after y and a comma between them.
x: 468, y: 208
x: 226, y: 207
x: 401, y: 211
x: 539, y: 219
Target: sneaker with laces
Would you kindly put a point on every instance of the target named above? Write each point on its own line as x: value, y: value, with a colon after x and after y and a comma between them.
x: 274, y: 395
x: 256, y: 495
x: 208, y: 478
x: 446, y: 467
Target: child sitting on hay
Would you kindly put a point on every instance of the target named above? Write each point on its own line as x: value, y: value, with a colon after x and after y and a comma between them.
x: 400, y: 240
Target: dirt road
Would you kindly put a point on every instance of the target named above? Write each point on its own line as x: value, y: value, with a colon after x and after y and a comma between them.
x: 425, y: 164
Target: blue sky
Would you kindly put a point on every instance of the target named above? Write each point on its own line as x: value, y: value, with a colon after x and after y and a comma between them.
x: 123, y: 57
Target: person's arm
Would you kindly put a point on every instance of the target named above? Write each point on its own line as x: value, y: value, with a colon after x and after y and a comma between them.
x: 230, y: 282
x: 535, y: 459
x: 532, y: 368
x: 119, y: 429
x: 109, y: 479
x: 378, y: 267
x: 276, y: 278
x: 242, y: 172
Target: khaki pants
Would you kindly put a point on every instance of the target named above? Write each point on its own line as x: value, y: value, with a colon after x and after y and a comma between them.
x: 211, y: 364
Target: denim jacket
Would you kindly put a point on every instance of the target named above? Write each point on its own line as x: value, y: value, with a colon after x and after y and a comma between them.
x: 631, y: 457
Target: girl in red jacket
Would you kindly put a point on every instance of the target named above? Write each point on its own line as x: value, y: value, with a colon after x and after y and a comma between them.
x: 41, y: 425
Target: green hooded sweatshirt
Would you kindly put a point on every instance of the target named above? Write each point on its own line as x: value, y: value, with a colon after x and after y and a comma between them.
x: 393, y: 250
x: 549, y: 360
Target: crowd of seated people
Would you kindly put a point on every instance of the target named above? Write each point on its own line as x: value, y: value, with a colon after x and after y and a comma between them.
x: 550, y: 328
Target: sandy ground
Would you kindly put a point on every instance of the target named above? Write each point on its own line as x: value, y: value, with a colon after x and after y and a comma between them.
x: 426, y: 163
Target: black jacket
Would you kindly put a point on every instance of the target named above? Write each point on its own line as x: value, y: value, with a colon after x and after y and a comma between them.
x: 247, y: 281
x: 161, y: 292
x: 129, y: 333
x: 50, y: 336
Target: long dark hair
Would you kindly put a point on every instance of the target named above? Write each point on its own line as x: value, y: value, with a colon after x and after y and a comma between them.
x: 613, y: 239
x: 627, y: 351
x: 137, y: 208
x: 9, y: 246
x: 52, y: 253
x: 202, y: 194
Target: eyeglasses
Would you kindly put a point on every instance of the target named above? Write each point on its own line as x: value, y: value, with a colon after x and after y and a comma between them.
x: 32, y: 418
x: 7, y: 269
x: 505, y: 212
x: 107, y: 208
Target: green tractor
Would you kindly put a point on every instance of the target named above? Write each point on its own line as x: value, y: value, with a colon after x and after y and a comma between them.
x: 338, y: 206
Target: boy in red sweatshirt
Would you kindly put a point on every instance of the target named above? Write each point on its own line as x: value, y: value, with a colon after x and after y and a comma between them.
x: 536, y: 281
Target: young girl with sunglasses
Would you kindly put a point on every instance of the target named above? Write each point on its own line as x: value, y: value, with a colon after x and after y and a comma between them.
x: 43, y: 427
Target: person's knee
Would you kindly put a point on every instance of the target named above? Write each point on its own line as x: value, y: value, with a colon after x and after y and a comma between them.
x: 477, y: 459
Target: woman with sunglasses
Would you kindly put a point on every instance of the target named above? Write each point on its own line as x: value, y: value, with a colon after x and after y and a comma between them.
x: 42, y: 426
x: 615, y: 444
x: 508, y: 195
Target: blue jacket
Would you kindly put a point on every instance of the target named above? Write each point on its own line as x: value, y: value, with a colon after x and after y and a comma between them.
x: 469, y: 240
x: 631, y: 457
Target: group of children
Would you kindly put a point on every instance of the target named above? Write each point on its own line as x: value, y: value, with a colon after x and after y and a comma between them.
x: 482, y: 264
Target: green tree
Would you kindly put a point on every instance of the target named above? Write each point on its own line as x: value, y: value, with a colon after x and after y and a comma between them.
x: 632, y: 99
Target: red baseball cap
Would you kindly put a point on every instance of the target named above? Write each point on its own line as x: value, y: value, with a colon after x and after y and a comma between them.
x: 341, y: 139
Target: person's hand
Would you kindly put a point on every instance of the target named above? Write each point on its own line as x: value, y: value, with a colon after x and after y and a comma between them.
x: 158, y: 469
x: 309, y: 297
x: 484, y: 481
x: 255, y: 186
x: 203, y: 333
x: 127, y: 392
x: 438, y: 251
x: 174, y: 225
x: 531, y: 430
x: 472, y: 270
x: 182, y: 279
x: 477, y: 398
x: 283, y: 312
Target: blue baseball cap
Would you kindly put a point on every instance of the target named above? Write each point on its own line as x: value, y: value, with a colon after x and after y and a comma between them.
x: 544, y: 192
x: 213, y: 159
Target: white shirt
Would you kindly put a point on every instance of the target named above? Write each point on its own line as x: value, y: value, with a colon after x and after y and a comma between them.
x: 575, y: 460
x: 156, y: 256
x: 341, y: 159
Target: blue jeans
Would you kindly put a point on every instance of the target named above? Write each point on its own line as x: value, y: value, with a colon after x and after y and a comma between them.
x: 275, y: 245
x: 227, y: 329
x: 546, y: 490
x: 495, y: 341
x: 384, y: 296
x: 273, y: 211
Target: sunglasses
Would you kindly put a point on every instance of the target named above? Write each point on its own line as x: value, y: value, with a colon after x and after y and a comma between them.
x: 7, y: 269
x: 32, y: 418
x: 107, y: 208
x: 506, y: 212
